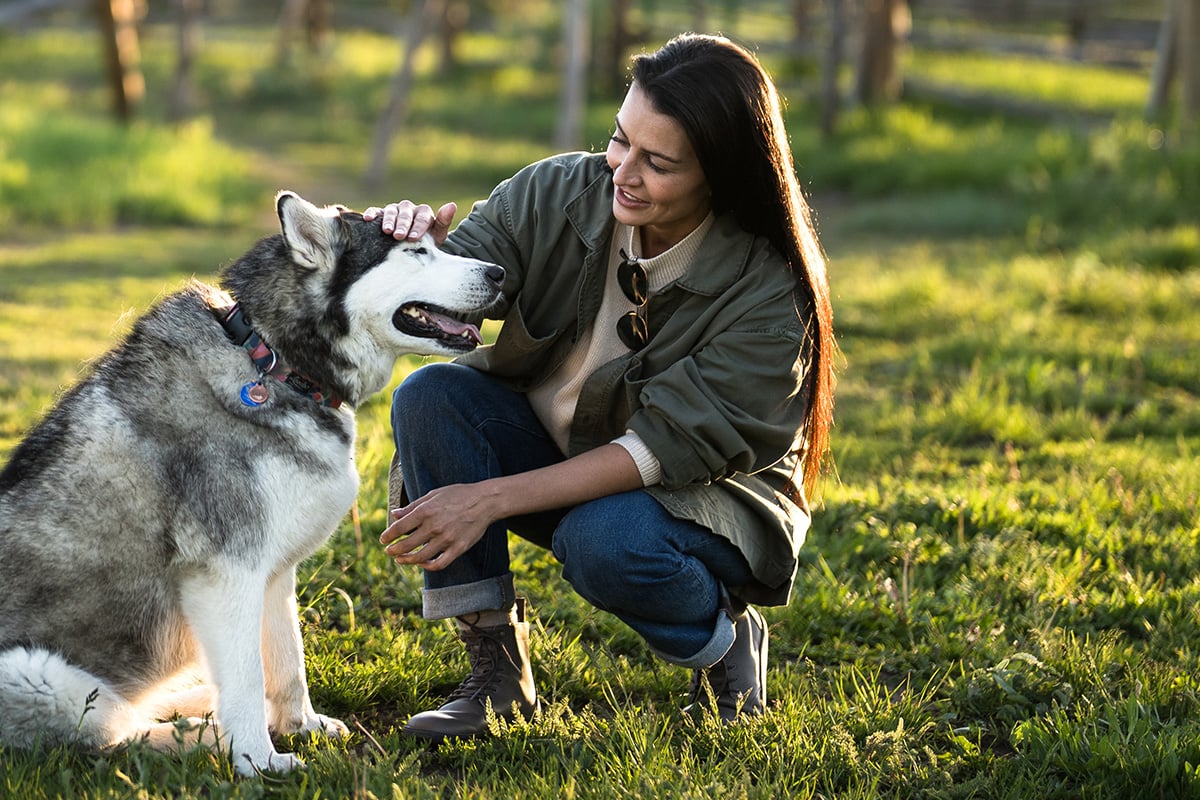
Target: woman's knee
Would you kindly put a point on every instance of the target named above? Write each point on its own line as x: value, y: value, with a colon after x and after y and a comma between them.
x: 598, y: 543
x: 428, y: 396
x: 425, y: 387
x: 586, y: 551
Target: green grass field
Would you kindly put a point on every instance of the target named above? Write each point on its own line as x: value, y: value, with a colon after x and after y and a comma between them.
x: 1000, y: 597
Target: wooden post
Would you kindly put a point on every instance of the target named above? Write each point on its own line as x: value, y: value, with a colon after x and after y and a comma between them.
x: 118, y: 26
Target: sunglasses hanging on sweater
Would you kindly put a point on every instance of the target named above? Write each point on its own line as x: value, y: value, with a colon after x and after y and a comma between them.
x: 633, y: 328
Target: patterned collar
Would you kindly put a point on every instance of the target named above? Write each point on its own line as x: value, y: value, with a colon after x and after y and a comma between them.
x: 238, y: 329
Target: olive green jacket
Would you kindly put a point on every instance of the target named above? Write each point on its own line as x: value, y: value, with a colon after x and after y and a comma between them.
x: 719, y: 392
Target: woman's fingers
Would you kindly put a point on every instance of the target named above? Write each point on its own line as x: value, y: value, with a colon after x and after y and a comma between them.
x: 409, y: 220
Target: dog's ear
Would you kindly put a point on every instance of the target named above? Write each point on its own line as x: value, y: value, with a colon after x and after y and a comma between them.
x: 315, y: 237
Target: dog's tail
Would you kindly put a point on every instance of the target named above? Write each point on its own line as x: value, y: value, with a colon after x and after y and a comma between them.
x: 46, y: 701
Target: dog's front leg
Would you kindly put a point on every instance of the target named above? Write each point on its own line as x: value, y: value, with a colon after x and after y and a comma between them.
x: 224, y: 605
x: 291, y: 709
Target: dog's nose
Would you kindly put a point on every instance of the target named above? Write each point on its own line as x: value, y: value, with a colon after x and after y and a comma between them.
x: 495, y: 274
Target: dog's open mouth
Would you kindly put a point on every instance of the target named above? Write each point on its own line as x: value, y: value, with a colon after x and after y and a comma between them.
x: 430, y: 322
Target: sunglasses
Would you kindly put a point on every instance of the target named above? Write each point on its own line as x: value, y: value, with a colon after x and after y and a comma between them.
x: 632, y: 328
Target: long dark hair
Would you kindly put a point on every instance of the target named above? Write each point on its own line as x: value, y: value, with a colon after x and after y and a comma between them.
x: 729, y: 108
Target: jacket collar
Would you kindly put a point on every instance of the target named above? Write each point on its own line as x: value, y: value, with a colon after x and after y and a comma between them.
x: 720, y: 262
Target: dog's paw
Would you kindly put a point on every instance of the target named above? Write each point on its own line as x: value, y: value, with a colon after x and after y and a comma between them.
x: 302, y: 718
x: 329, y: 726
x: 249, y: 766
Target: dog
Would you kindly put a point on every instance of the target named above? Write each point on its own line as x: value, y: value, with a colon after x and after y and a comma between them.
x: 152, y: 522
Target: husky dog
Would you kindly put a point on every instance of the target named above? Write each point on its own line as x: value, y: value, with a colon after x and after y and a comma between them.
x: 151, y: 524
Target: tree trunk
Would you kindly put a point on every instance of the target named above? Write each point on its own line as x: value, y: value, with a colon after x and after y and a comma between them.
x: 802, y: 36
x: 1165, y: 61
x: 885, y: 24
x: 420, y: 22
x: 454, y: 21
x: 183, y: 93
x: 118, y: 26
x: 619, y: 43
x: 318, y: 26
x: 315, y: 16
x: 831, y: 98
x: 568, y: 134
x: 1188, y: 48
x: 290, y: 19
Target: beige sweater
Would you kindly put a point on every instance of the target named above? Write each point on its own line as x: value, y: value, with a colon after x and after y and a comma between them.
x: 554, y: 401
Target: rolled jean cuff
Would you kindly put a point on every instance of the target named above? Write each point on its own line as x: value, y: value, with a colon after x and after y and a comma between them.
x: 497, y: 593
x: 712, y: 652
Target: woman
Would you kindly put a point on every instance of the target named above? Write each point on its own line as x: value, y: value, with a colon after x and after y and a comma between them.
x: 656, y: 403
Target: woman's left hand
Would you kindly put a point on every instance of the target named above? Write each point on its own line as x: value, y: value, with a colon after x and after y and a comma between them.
x: 408, y: 220
x: 438, y: 527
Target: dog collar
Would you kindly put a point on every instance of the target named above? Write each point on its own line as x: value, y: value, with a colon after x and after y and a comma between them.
x: 240, y: 332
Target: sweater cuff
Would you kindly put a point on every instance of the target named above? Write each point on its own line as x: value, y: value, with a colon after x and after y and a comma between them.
x: 647, y: 464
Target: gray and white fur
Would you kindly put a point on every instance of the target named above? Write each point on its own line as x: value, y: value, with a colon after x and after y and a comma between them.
x: 151, y: 524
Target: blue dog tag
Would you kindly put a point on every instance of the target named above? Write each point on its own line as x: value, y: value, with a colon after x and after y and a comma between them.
x: 254, y: 394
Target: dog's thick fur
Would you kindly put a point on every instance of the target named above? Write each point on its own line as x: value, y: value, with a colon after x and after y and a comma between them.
x: 151, y: 524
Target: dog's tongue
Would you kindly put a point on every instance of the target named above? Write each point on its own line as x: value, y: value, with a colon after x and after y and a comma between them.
x: 454, y: 327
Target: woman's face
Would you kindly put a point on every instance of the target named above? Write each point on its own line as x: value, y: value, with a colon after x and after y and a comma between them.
x: 660, y: 186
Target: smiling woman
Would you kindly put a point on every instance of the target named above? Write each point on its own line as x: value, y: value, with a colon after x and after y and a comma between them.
x: 657, y: 400
x: 659, y: 185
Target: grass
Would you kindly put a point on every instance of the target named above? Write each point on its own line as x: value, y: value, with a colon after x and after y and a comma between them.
x: 999, y: 596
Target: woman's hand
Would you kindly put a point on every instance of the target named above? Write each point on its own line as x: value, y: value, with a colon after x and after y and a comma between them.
x: 437, y: 528
x: 407, y: 220
x: 440, y: 526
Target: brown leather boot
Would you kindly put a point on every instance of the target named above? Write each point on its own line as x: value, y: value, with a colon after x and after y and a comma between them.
x: 498, y: 648
x: 738, y: 682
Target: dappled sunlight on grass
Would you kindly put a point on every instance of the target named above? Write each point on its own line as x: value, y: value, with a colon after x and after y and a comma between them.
x: 118, y: 174
x: 1084, y: 87
x: 999, y: 591
x: 469, y: 153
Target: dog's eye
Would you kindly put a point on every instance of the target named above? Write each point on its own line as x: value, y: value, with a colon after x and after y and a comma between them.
x: 420, y: 251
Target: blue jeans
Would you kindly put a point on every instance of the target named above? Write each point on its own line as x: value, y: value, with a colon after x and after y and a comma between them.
x: 662, y: 576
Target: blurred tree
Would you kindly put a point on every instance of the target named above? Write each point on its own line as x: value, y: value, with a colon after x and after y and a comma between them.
x: 455, y: 17
x: 831, y: 98
x: 1189, y: 65
x: 621, y: 39
x: 421, y: 21
x: 315, y: 17
x: 1178, y: 60
x: 885, y: 24
x: 802, y: 28
x: 183, y: 93
x: 118, y: 27
x: 568, y: 134
x: 1166, y: 60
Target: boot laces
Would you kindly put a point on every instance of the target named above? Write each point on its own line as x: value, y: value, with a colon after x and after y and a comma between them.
x: 484, y: 651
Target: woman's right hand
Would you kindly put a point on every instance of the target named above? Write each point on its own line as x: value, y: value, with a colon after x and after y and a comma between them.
x: 408, y: 220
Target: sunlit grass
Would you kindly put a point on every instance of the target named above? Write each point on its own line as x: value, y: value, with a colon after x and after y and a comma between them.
x: 1078, y: 87
x: 998, y: 597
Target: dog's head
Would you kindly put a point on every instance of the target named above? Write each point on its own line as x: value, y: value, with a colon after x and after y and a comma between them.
x: 409, y: 296
x: 339, y: 300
